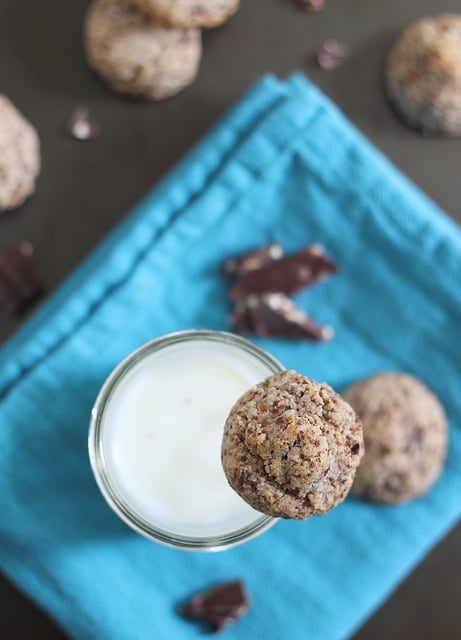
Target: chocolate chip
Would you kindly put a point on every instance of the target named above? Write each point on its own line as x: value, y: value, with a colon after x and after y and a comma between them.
x: 355, y: 449
x: 331, y: 54
x: 251, y: 260
x: 311, y: 5
x: 81, y: 125
x: 218, y: 606
x: 20, y: 283
x: 286, y: 275
x: 274, y: 315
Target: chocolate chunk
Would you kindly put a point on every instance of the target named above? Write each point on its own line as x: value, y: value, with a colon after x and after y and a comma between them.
x: 252, y: 260
x: 218, y: 606
x: 81, y: 125
x: 286, y: 275
x: 311, y: 5
x: 20, y: 282
x: 274, y: 315
x: 240, y: 319
x: 331, y: 54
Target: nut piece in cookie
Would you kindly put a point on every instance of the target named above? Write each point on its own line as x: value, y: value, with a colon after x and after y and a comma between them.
x: 136, y: 57
x: 291, y: 446
x: 406, y: 437
x: 19, y: 156
x: 188, y: 13
x: 423, y: 75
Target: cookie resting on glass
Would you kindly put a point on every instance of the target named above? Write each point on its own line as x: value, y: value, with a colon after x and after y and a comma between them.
x: 291, y: 446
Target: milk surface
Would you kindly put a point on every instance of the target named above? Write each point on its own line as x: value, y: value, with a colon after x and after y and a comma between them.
x: 162, y: 432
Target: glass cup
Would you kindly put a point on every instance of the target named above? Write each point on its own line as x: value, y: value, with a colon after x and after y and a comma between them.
x: 155, y: 434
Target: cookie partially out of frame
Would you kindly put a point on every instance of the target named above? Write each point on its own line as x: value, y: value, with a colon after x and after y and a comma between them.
x: 134, y: 56
x: 19, y: 156
x: 291, y: 446
x: 423, y: 75
x: 189, y: 13
x: 405, y: 433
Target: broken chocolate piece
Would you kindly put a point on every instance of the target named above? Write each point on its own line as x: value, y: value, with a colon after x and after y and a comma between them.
x: 331, y: 54
x: 81, y: 125
x: 252, y: 260
x: 20, y: 282
x: 273, y: 315
x: 240, y: 319
x: 218, y: 606
x: 311, y: 5
x: 286, y: 275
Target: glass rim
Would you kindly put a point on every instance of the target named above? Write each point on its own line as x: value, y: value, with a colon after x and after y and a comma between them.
x: 96, y: 451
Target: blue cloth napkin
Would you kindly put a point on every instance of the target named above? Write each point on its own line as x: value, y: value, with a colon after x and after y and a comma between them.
x: 283, y: 165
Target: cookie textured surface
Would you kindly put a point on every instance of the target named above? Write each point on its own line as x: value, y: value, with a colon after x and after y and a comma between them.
x: 291, y: 446
x: 19, y: 156
x: 188, y: 13
x: 134, y: 56
x: 423, y: 75
x: 405, y: 433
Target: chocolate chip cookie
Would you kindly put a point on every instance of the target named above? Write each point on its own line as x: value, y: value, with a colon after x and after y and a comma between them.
x: 405, y: 432
x: 19, y: 156
x: 134, y: 56
x: 423, y: 75
x: 291, y: 446
x: 189, y: 13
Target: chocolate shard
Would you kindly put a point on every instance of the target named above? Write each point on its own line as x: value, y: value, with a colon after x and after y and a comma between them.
x: 238, y: 266
x: 81, y: 125
x: 240, y: 319
x: 331, y: 54
x: 286, y: 275
x: 20, y: 283
x: 218, y: 606
x: 311, y: 5
x: 274, y: 315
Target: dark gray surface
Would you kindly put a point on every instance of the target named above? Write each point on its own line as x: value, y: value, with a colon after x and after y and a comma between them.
x: 85, y: 188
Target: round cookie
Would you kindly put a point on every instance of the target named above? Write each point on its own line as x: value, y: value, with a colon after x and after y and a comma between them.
x: 291, y: 446
x: 189, y: 13
x: 136, y: 57
x: 405, y: 434
x: 19, y: 156
x: 423, y: 75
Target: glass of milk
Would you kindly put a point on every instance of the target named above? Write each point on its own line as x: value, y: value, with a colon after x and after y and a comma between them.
x: 155, y: 438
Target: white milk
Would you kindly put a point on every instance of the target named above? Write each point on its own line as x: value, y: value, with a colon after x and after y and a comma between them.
x: 161, y: 436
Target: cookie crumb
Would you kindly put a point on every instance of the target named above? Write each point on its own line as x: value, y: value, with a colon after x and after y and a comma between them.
x: 81, y: 126
x: 331, y: 54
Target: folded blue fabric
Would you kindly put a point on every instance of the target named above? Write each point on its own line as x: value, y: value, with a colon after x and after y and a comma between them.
x: 283, y: 165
